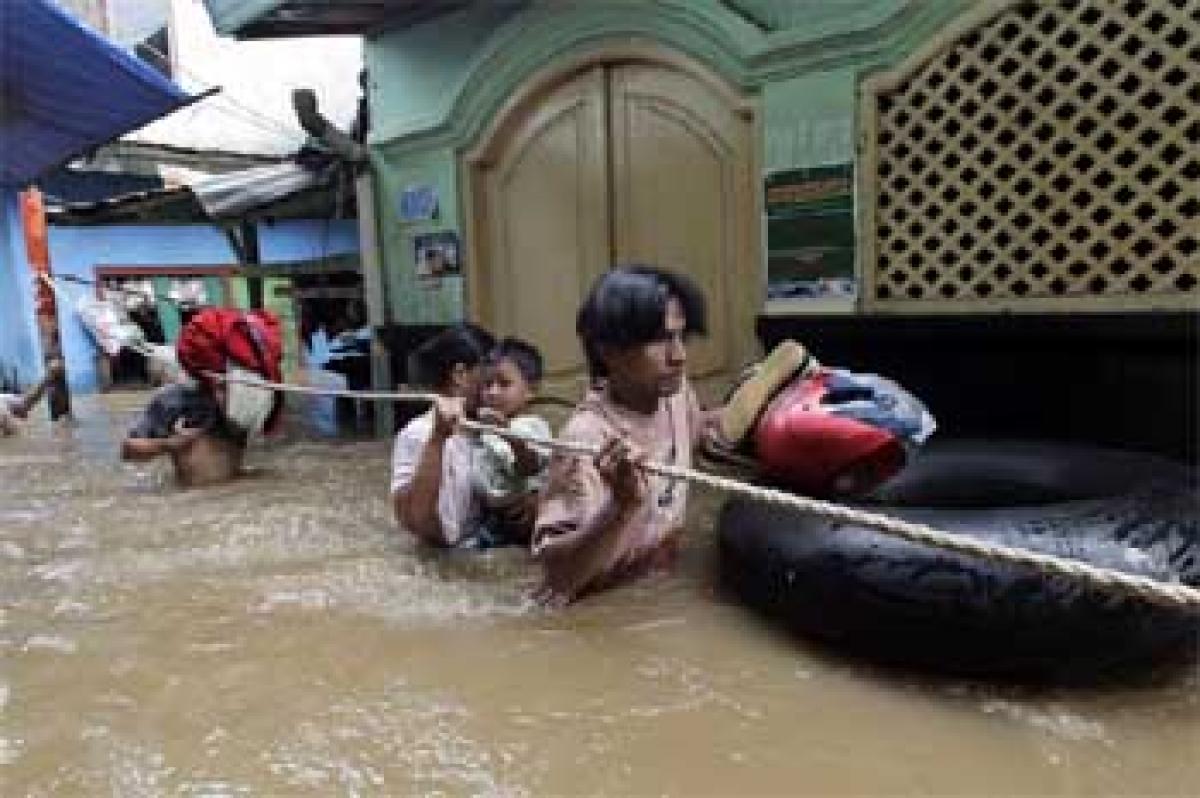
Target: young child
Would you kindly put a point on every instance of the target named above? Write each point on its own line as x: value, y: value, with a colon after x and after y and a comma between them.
x: 508, y: 474
x: 17, y: 406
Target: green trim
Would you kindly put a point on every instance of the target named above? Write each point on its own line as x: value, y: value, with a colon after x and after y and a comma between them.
x: 544, y: 34
x: 438, y: 88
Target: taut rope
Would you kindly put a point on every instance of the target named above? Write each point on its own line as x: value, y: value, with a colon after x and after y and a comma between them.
x: 1153, y: 590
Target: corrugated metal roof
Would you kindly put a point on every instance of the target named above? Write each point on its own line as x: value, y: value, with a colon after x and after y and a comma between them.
x: 288, y: 189
x: 262, y: 19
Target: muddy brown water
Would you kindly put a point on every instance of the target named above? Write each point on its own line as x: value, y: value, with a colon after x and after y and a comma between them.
x: 277, y: 636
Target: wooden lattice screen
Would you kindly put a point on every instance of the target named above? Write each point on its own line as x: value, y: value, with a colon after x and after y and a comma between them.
x: 1037, y: 156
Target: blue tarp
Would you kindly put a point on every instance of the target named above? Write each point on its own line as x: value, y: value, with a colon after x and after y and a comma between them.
x: 65, y: 89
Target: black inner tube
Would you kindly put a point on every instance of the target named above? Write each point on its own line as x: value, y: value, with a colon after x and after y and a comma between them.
x: 1022, y: 474
x: 916, y: 605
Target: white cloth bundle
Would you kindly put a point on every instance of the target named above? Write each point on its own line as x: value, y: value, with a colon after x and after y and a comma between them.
x: 246, y: 406
x: 109, y: 324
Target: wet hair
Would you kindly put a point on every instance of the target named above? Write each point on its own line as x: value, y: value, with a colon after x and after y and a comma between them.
x: 523, y: 354
x: 627, y: 306
x: 464, y: 343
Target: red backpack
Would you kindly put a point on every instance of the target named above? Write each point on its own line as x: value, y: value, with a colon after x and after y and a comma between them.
x: 250, y: 338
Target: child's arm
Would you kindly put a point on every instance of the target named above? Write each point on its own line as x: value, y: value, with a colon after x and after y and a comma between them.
x: 529, y: 459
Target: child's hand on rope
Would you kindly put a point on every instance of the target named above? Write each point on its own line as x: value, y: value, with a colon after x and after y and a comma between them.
x: 490, y: 415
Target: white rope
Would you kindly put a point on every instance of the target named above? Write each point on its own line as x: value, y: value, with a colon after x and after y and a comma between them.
x: 1154, y: 590
x: 1173, y: 594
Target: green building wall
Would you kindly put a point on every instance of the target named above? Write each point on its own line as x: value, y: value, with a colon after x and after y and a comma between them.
x: 434, y: 88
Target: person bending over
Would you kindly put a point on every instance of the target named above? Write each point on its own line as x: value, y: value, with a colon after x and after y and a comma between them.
x: 188, y: 423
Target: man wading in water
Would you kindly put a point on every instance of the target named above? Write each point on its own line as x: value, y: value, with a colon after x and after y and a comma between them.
x: 188, y: 422
x: 602, y: 520
x: 204, y: 426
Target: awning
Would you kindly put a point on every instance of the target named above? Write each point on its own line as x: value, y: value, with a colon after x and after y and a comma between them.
x: 306, y: 187
x: 65, y: 89
x: 235, y: 193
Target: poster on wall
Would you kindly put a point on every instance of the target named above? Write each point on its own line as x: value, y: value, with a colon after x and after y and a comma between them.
x: 810, y: 233
x: 418, y: 203
x: 436, y: 255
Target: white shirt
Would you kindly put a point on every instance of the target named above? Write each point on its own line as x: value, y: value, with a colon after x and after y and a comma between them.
x: 458, y: 505
x: 495, y: 464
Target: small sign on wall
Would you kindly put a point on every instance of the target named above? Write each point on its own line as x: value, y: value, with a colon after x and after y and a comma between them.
x: 418, y: 203
x: 436, y: 255
x: 810, y: 233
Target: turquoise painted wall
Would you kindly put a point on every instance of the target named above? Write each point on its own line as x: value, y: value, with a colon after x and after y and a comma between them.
x: 416, y: 300
x: 435, y: 86
x: 809, y: 120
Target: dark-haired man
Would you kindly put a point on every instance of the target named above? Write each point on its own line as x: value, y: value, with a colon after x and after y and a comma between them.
x: 601, y: 519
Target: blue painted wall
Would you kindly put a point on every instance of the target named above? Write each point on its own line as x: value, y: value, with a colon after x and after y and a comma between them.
x: 78, y: 250
x: 306, y: 239
x: 20, y: 349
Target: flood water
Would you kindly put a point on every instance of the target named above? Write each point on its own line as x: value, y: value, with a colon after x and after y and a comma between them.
x: 278, y: 637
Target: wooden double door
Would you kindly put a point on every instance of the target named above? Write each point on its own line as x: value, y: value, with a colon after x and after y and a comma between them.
x: 620, y: 163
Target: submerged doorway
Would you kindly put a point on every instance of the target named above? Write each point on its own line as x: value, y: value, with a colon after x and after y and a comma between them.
x: 619, y: 162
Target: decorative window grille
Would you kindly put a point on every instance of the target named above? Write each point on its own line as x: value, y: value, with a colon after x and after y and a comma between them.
x: 1037, y: 156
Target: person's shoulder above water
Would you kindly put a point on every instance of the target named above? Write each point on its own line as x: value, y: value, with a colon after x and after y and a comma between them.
x: 407, y: 448
x: 590, y: 421
x: 418, y: 427
x: 172, y: 403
